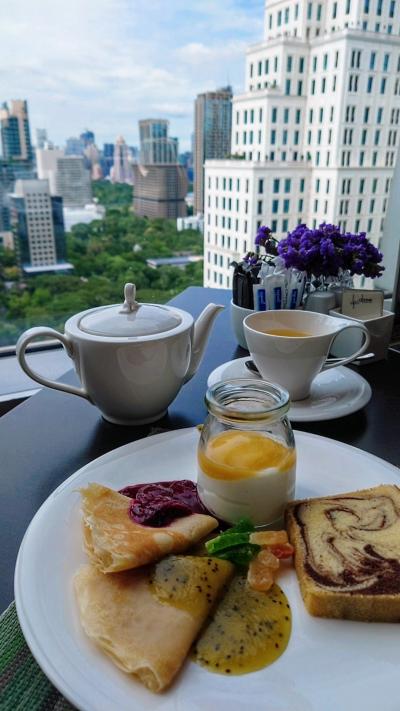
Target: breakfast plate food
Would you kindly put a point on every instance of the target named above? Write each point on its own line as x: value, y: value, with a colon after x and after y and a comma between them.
x: 327, y: 664
x: 334, y: 393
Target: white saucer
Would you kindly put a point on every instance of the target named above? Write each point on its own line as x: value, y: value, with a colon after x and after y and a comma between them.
x: 334, y: 393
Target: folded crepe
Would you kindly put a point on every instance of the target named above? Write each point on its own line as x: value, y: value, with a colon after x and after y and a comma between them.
x: 146, y: 620
x: 114, y: 542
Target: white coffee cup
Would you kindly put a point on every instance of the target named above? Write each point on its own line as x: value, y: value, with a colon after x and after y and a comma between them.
x: 294, y: 361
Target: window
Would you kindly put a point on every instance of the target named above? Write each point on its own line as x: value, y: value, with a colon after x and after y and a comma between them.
x: 383, y: 85
x: 323, y: 85
x: 379, y: 115
x: 287, y: 87
x: 366, y: 114
x: 276, y: 184
x: 366, y: 6
x: 286, y: 206
x: 299, y: 87
x: 289, y: 63
x: 370, y: 82
x: 386, y: 62
x: 315, y: 63
x: 301, y: 65
x: 313, y: 86
x: 287, y: 185
x: 275, y: 206
x: 334, y: 10
x: 348, y: 7
x: 379, y: 7
x: 296, y: 137
x: 284, y: 137
x: 364, y: 136
x: 376, y: 137
x: 259, y: 207
x: 309, y: 11
x: 362, y: 186
x: 392, y: 7
x: 286, y: 116
x: 274, y: 114
x: 298, y: 115
x: 260, y: 185
x: 273, y: 136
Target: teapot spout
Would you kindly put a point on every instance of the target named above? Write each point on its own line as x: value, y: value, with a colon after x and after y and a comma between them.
x: 202, y: 329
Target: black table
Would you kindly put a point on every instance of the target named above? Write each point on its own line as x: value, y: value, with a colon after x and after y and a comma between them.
x: 51, y: 435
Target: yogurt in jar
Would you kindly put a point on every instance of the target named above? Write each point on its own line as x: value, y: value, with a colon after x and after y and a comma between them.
x: 246, y: 473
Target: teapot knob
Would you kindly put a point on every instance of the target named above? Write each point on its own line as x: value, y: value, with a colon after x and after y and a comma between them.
x: 129, y: 304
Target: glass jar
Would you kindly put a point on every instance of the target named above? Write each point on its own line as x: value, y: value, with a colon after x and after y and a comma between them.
x: 246, y: 452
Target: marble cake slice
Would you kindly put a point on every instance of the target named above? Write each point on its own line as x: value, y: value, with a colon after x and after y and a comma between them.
x: 347, y: 553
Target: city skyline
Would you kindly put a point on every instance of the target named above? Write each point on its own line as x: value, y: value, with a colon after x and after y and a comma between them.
x: 96, y: 69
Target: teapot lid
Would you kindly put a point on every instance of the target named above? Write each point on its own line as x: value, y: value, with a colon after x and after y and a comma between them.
x: 130, y: 319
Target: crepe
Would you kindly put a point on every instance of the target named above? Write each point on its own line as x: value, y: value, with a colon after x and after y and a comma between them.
x: 146, y: 620
x: 114, y: 542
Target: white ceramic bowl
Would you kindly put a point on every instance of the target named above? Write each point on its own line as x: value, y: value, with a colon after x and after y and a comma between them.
x: 238, y: 313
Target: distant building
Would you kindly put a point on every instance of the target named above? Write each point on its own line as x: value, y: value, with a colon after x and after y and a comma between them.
x: 160, y: 191
x: 212, y: 135
x: 7, y: 240
x: 67, y: 175
x: 15, y: 132
x: 156, y: 147
x: 186, y: 159
x: 107, y: 158
x: 191, y: 222
x: 87, y: 138
x: 180, y: 262
x: 74, y: 146
x: 122, y: 168
x: 38, y: 227
x: 41, y: 138
x: 83, y: 216
x: 92, y: 161
x: 6, y: 187
x: 73, y: 182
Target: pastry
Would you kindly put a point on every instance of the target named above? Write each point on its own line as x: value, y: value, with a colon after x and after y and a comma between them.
x: 146, y: 620
x: 347, y: 553
x: 114, y: 542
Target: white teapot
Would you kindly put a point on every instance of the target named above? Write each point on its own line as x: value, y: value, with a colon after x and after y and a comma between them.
x: 131, y: 359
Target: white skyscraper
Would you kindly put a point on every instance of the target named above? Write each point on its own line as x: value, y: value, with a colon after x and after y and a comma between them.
x: 315, y: 132
x: 121, y: 171
x: 67, y: 176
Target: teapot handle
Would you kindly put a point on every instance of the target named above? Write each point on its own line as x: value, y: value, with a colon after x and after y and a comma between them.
x: 20, y: 350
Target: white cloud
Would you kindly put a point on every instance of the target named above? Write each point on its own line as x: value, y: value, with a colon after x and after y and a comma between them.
x: 107, y: 63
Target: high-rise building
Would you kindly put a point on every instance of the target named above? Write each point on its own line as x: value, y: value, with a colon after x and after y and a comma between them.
x: 107, y: 158
x: 315, y: 131
x: 15, y: 132
x: 87, y: 137
x: 41, y: 138
x: 160, y: 191
x: 156, y: 146
x: 38, y: 227
x: 212, y: 135
x: 74, y: 146
x: 67, y: 175
x: 122, y: 169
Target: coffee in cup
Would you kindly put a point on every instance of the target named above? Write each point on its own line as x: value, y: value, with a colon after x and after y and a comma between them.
x: 291, y: 347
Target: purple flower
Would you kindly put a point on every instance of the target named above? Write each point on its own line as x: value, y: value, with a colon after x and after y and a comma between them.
x: 326, y: 251
x: 264, y: 239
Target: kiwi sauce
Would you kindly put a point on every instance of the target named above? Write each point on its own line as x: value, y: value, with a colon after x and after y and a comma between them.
x: 248, y: 630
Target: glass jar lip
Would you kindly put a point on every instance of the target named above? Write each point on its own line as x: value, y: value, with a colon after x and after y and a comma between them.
x: 219, y: 397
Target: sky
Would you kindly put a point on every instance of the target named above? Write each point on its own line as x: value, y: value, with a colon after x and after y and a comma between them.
x: 105, y: 64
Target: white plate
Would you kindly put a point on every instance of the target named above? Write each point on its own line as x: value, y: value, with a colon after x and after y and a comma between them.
x: 334, y: 393
x: 329, y: 665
